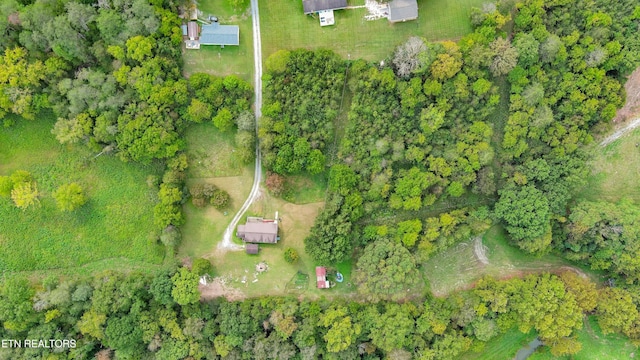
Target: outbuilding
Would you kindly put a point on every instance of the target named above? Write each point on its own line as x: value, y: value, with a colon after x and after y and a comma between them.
x: 252, y: 249
x: 403, y: 10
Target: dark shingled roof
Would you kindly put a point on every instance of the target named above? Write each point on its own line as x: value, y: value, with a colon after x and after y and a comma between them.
x: 216, y: 34
x: 313, y: 6
x: 258, y: 231
x: 403, y: 10
x: 252, y: 248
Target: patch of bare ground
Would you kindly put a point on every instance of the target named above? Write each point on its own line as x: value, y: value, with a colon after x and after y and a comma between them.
x: 632, y: 106
x: 218, y: 288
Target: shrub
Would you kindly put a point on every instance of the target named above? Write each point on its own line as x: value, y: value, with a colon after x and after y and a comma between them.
x: 202, y: 266
x: 275, y: 183
x: 290, y: 255
x: 69, y: 197
x: 6, y: 185
x: 220, y: 199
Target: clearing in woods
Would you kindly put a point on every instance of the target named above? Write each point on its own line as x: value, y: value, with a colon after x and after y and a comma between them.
x: 461, y: 265
x: 113, y: 230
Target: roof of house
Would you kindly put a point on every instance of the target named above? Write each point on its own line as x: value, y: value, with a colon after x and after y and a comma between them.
x: 313, y: 6
x: 403, y: 10
x: 252, y: 248
x: 321, y: 271
x: 184, y: 29
x: 216, y: 34
x: 192, y: 30
x: 258, y: 231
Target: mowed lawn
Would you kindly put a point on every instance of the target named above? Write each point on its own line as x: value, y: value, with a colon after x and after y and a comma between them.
x: 615, y: 170
x: 284, y: 26
x: 114, y: 230
x: 212, y: 159
x: 230, y: 60
x: 238, y: 269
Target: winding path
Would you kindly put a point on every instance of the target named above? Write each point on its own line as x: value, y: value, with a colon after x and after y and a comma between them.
x: 619, y: 133
x: 227, y: 243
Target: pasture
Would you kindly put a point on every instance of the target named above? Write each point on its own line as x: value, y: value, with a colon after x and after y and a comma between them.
x: 113, y: 230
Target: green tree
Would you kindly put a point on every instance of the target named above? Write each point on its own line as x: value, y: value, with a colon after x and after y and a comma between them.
x: 123, y: 333
x: 342, y: 332
x: 185, y: 287
x: 223, y: 120
x: 69, y: 197
x: 92, y: 324
x: 25, y: 195
x: 16, y: 304
x: 525, y: 211
x: 394, y: 328
x: 616, y: 310
x: 198, y: 111
x: 161, y: 287
x: 201, y: 267
x: 386, y: 270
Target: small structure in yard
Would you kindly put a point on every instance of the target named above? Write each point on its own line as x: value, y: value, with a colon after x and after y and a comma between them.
x: 326, y: 17
x: 403, y: 10
x: 321, y: 277
x: 216, y: 34
x: 259, y: 230
x: 252, y: 248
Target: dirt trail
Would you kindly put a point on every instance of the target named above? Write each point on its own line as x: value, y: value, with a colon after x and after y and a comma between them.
x: 226, y: 243
x: 619, y: 133
x: 480, y: 250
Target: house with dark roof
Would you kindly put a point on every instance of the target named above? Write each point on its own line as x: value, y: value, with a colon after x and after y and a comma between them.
x: 403, y: 10
x: 259, y: 230
x: 321, y: 277
x: 216, y: 34
x: 314, y: 6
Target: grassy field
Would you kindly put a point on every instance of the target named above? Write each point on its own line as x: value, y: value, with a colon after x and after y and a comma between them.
x: 595, y: 345
x: 284, y: 26
x: 211, y: 153
x: 458, y: 267
x: 615, y: 170
x: 113, y: 230
x: 503, y: 347
x: 231, y: 60
x: 304, y: 189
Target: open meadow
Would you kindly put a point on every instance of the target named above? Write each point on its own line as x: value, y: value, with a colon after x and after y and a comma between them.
x: 460, y: 266
x: 113, y: 230
x: 615, y: 170
x: 284, y: 26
